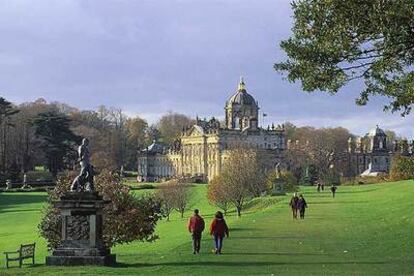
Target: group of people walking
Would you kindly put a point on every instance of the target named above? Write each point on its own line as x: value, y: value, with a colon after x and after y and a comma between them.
x: 218, y: 230
x: 298, y: 205
x: 320, y: 186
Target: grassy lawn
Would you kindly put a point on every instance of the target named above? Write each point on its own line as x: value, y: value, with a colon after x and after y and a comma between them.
x: 366, y: 230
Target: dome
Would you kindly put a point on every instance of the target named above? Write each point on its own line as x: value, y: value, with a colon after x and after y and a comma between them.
x: 241, y: 97
x: 376, y: 132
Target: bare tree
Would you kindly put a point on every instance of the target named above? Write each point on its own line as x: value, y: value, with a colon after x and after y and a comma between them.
x: 164, y: 195
x: 217, y: 194
x: 175, y: 194
x: 243, y: 177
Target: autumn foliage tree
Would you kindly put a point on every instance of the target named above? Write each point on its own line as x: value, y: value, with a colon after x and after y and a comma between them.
x: 217, y: 194
x: 242, y: 177
x: 127, y: 218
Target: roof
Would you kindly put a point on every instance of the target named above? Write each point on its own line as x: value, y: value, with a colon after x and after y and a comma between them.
x: 376, y: 132
x: 241, y: 97
x: 154, y: 148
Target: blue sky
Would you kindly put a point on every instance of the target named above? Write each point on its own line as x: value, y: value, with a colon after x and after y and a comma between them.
x: 151, y: 57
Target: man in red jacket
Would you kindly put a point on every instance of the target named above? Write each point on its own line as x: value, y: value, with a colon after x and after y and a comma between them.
x: 196, y: 227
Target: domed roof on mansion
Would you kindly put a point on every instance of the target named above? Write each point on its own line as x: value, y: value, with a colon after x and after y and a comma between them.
x: 202, y: 148
x: 241, y: 115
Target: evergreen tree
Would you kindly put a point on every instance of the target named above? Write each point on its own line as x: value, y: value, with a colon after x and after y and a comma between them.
x: 6, y: 111
x: 58, y: 140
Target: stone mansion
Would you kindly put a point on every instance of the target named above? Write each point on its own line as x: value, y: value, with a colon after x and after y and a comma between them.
x: 203, y: 148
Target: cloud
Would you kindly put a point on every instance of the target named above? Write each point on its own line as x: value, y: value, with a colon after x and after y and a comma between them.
x: 149, y: 57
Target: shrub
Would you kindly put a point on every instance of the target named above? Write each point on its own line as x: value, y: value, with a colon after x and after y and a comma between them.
x: 402, y: 168
x: 126, y: 218
x: 286, y: 178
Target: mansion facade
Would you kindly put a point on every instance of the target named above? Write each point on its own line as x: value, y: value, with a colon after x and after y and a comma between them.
x: 203, y: 148
x: 372, y: 154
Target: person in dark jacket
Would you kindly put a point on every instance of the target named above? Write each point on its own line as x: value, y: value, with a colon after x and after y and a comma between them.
x: 302, y: 205
x: 333, y: 190
x: 294, y: 205
x: 219, y: 229
x: 196, y: 227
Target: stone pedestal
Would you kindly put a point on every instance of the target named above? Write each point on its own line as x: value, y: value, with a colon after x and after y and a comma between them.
x: 279, y: 187
x: 82, y: 242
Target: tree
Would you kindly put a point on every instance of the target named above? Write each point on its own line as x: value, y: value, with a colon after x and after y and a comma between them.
x: 175, y: 194
x: 135, y: 139
x: 127, y: 218
x: 58, y: 140
x: 217, y: 194
x: 171, y: 126
x: 335, y: 42
x: 314, y: 151
x: 242, y: 176
x: 181, y: 196
x: 6, y: 111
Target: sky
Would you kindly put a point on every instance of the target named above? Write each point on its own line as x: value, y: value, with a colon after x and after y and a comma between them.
x: 152, y: 57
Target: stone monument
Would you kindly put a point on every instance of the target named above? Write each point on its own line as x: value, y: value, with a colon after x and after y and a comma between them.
x: 279, y: 184
x: 81, y: 211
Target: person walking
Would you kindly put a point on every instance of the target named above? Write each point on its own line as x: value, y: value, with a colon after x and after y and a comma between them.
x: 294, y: 205
x: 196, y: 227
x: 333, y: 190
x: 218, y: 229
x: 302, y: 205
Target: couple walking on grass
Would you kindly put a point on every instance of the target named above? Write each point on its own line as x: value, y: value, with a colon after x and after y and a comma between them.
x: 298, y: 204
x: 218, y: 229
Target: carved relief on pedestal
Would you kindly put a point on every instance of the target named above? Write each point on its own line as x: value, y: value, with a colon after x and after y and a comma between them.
x: 77, y: 228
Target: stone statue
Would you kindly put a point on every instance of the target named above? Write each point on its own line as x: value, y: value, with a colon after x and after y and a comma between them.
x: 84, y: 181
x: 277, y: 169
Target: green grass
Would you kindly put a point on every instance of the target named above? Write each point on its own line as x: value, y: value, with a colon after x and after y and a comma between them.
x: 366, y: 230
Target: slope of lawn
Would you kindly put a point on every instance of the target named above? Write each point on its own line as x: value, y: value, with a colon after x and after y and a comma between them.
x: 365, y: 230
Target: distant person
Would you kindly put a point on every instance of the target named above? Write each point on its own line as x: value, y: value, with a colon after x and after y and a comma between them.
x: 333, y: 190
x: 218, y: 229
x: 302, y: 205
x: 196, y: 227
x: 322, y: 186
x: 318, y: 188
x: 294, y: 205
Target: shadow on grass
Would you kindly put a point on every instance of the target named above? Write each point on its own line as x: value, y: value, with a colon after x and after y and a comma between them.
x: 245, y: 264
x: 268, y: 238
x: 275, y: 253
x: 12, y: 199
x: 20, y: 210
x: 337, y: 202
x: 14, y: 266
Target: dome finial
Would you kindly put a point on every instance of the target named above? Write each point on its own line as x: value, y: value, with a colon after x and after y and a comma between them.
x: 242, y: 86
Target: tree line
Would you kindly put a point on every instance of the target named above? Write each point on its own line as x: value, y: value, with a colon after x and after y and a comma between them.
x: 46, y: 134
